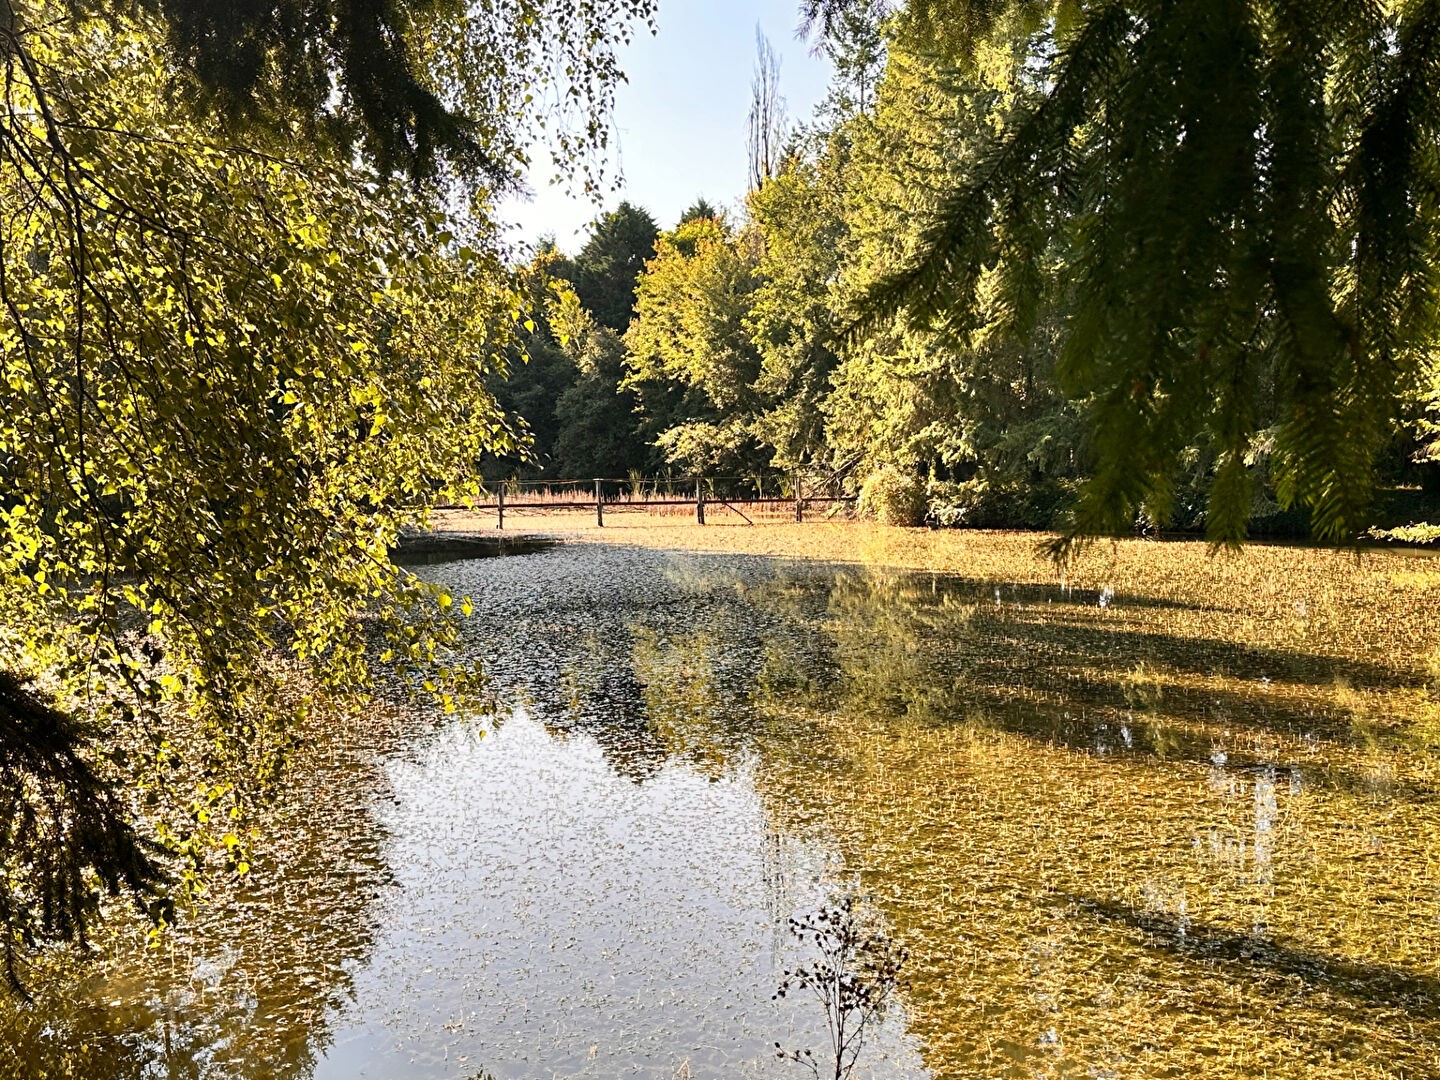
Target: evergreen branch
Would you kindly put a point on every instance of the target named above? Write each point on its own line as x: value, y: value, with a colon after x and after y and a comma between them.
x: 955, y: 246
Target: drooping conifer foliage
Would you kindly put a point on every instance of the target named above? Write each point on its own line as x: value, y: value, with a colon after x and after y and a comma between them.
x: 1240, y: 202
x: 415, y: 85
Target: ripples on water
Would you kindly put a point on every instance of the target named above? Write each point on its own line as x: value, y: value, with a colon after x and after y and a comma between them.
x: 1114, y: 846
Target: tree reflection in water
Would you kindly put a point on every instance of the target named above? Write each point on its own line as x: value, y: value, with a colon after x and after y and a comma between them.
x: 246, y: 984
x: 1110, y: 842
x: 1076, y: 820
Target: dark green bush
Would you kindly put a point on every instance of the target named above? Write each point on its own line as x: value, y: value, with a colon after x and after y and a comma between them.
x: 982, y: 503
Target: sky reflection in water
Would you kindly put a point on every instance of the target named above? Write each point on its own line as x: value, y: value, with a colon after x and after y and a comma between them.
x: 555, y: 917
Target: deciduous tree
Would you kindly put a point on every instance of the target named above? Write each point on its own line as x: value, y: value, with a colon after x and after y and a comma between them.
x: 231, y: 373
x: 692, y: 360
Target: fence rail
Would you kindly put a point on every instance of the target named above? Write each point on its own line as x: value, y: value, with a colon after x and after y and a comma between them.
x: 736, y: 493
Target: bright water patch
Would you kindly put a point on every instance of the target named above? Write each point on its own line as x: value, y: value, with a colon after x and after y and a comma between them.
x: 555, y: 918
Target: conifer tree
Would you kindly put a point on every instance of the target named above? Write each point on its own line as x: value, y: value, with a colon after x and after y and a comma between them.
x: 1244, y: 196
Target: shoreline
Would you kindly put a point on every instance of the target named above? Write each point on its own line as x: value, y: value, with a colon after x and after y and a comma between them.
x: 871, y: 544
x: 1277, y: 598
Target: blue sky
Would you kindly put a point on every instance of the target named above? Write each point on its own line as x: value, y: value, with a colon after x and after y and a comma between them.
x: 680, y: 119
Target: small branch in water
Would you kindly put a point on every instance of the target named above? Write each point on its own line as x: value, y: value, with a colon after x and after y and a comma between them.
x: 853, y: 977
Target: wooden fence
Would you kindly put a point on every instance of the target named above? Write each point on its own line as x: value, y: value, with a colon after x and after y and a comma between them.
x: 793, y: 495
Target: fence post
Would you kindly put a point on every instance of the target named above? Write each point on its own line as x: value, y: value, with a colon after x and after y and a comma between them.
x: 599, y: 507
x: 699, y: 502
x: 500, y: 497
x: 799, y: 506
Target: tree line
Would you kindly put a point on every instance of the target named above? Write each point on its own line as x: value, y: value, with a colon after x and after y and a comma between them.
x: 1092, y: 268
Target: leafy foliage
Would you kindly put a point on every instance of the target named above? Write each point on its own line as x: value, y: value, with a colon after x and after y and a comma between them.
x: 606, y: 271
x: 1422, y: 533
x: 979, y: 409
x: 691, y: 361
x: 798, y: 220
x: 853, y: 40
x: 700, y: 208
x: 599, y: 429
x: 892, y: 497
x: 1161, y: 265
x: 230, y: 378
x: 566, y: 391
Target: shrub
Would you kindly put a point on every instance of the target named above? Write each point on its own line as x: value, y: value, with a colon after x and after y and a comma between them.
x: 1422, y: 533
x: 982, y: 503
x: 893, y: 497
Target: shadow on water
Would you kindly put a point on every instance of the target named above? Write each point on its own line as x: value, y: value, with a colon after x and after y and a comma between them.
x: 435, y: 549
x: 940, y: 650
x: 1250, y: 952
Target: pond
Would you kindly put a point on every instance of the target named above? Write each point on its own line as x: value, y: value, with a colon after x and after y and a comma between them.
x: 1113, y: 845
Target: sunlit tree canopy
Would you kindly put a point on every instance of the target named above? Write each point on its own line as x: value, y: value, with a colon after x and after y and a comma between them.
x: 238, y: 358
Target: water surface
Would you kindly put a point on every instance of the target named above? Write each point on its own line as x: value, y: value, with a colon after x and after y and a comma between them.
x: 1117, y: 842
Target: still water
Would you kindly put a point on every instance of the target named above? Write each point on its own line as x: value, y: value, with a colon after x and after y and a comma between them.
x: 1114, y: 846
